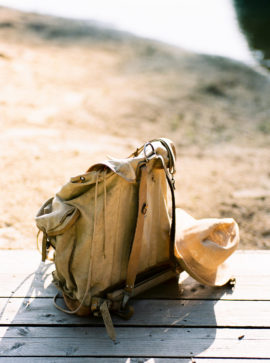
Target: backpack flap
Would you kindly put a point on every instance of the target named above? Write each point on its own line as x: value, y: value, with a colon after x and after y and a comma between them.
x: 54, y: 218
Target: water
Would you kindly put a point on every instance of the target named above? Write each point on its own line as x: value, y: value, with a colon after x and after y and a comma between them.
x: 253, y: 17
x: 203, y: 26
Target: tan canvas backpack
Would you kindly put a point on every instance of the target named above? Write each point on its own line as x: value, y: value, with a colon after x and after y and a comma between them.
x: 113, y: 231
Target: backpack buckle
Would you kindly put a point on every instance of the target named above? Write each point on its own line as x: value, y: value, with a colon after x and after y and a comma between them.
x: 126, y: 297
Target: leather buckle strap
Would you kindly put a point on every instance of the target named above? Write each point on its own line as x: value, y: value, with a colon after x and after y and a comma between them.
x: 134, y: 258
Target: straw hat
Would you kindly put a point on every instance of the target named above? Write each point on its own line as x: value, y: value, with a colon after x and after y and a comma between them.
x: 202, y: 247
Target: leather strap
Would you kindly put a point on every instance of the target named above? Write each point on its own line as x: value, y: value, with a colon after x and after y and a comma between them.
x: 106, y: 316
x: 44, y: 246
x: 170, y: 181
x: 134, y: 258
x: 173, y: 225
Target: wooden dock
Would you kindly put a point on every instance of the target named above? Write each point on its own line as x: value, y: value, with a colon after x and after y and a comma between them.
x: 172, y: 323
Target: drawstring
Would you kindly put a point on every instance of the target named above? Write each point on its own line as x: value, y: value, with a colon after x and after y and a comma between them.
x: 95, y: 208
x: 104, y: 212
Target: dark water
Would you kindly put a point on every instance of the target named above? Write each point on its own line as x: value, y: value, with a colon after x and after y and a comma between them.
x: 254, y: 20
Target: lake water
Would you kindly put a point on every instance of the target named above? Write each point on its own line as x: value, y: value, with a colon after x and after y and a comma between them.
x: 203, y: 26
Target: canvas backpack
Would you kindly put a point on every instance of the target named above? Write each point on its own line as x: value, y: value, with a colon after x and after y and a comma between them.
x: 113, y: 231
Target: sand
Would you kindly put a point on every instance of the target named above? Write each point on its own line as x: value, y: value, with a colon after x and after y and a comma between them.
x: 73, y: 93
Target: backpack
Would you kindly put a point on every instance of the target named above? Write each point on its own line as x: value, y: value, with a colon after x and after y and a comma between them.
x: 113, y: 232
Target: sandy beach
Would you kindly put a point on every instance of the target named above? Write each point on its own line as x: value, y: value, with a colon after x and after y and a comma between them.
x: 73, y: 93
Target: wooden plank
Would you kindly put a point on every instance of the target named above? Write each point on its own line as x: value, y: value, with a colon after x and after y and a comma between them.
x: 27, y: 285
x: 23, y: 274
x: 253, y: 262
x: 124, y: 360
x: 204, y: 313
x: 247, y: 288
x: 252, y: 270
x: 131, y: 342
x: 103, y: 360
x: 16, y: 261
x: 31, y: 259
x: 19, y: 261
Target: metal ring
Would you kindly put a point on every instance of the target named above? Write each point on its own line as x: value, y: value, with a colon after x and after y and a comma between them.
x: 147, y: 158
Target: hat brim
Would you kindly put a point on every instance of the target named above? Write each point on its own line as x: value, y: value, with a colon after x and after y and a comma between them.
x: 216, y: 277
